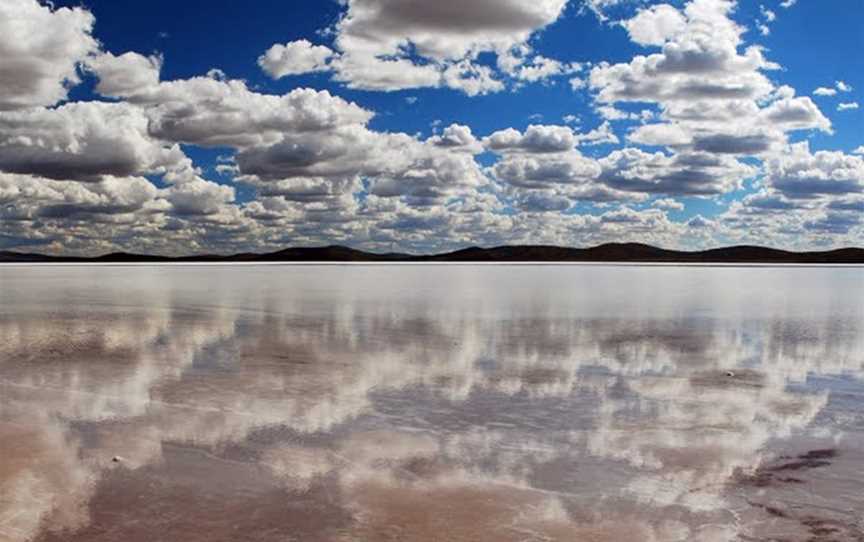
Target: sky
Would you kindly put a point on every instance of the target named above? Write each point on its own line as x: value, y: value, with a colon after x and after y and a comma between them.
x: 221, y: 127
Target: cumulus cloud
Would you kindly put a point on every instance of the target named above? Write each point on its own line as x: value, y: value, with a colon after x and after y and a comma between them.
x: 125, y: 75
x: 540, y: 68
x: 317, y: 170
x: 294, y: 58
x: 792, y: 113
x: 805, y: 195
x: 609, y: 112
x: 470, y: 78
x: 211, y: 112
x: 458, y: 137
x: 388, y: 45
x: 30, y: 197
x: 699, y: 59
x: 395, y: 165
x: 665, y: 135
x: 125, y: 210
x: 577, y: 83
x: 656, y: 25
x: 846, y: 106
x: 197, y: 196
x: 41, y: 48
x: 802, y: 174
x: 603, y: 134
x: 542, y: 172
x: 834, y: 223
x: 442, y: 30
x: 536, y: 139
x: 686, y: 174
x: 83, y: 141
x: 715, y: 103
x: 847, y: 204
x: 704, y: 87
x: 553, y: 183
x: 669, y: 204
x: 540, y: 139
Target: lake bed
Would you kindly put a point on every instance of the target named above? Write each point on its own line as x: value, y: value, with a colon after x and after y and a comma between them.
x: 459, y: 403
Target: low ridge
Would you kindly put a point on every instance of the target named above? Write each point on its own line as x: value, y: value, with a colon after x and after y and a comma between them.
x: 612, y: 252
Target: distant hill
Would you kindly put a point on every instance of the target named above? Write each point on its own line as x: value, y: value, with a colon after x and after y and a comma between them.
x: 613, y: 252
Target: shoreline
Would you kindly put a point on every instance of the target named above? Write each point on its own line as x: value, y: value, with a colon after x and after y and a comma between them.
x: 456, y: 263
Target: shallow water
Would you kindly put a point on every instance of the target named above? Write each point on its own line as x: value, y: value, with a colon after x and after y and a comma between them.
x: 457, y: 403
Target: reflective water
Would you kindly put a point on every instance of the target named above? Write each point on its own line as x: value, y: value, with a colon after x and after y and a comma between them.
x: 457, y: 403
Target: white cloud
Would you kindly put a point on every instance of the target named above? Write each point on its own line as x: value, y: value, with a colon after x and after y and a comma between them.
x: 388, y: 74
x: 577, y: 83
x: 603, y: 134
x: 666, y: 135
x: 691, y: 174
x: 843, y: 87
x: 395, y: 165
x: 470, y: 78
x: 537, y: 139
x: 519, y: 63
x: 599, y: 7
x: 444, y: 30
x: 793, y: 113
x: 553, y: 183
x: 125, y: 75
x: 669, y: 204
x: 541, y: 68
x: 319, y: 172
x: 786, y: 4
x: 542, y: 172
x: 715, y: 103
x: 83, y: 141
x: 700, y: 62
x: 768, y: 16
x: 609, y: 112
x: 194, y: 196
x: 375, y: 39
x: 846, y: 106
x: 799, y: 173
x: 210, y: 112
x: 656, y: 25
x: 294, y: 58
x: 824, y: 91
x: 41, y: 48
x: 45, y: 198
x: 457, y: 138
x: 529, y: 171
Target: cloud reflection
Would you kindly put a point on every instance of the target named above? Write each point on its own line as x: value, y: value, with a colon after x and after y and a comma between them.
x: 502, y: 417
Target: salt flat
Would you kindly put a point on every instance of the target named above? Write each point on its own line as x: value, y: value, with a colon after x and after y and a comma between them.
x: 469, y: 402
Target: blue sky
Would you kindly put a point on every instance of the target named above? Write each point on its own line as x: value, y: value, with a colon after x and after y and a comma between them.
x: 185, y: 127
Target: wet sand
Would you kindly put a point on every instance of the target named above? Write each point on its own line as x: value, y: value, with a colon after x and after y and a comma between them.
x: 431, y: 403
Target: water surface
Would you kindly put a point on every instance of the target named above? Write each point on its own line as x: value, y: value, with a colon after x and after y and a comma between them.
x: 415, y: 403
